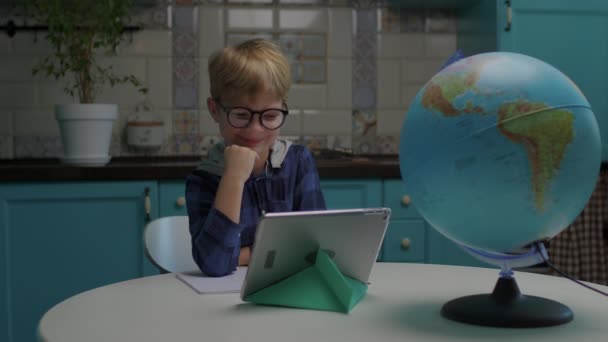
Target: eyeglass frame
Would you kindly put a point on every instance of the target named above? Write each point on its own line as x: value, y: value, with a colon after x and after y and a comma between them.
x: 227, y: 110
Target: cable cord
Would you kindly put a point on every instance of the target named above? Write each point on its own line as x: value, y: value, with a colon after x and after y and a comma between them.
x: 553, y: 267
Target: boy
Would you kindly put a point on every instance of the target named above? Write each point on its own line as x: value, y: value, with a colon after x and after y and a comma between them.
x: 251, y: 172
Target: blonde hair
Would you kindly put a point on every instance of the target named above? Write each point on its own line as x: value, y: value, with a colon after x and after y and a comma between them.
x: 248, y: 68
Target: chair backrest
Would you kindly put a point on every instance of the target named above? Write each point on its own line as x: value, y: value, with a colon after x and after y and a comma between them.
x: 168, y: 245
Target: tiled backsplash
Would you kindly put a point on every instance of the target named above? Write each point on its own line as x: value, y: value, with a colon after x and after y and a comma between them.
x: 356, y: 66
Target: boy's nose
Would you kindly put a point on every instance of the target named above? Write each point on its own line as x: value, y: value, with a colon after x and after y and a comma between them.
x: 255, y: 123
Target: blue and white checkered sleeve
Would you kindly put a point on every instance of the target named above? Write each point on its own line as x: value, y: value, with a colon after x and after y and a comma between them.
x: 307, y: 193
x: 215, y: 238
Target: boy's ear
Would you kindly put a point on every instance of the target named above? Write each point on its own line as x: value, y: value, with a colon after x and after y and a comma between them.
x: 213, y: 109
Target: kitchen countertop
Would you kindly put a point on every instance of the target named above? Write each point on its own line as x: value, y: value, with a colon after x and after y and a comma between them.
x: 176, y: 168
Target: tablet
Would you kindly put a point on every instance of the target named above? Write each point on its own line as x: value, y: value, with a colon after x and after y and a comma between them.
x: 286, y: 243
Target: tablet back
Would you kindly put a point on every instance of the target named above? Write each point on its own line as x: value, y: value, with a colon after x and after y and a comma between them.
x: 286, y: 243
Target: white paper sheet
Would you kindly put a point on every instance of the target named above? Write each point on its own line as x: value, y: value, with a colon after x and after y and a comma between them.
x: 203, y: 284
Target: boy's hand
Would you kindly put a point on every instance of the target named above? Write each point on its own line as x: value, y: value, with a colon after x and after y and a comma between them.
x: 239, y: 162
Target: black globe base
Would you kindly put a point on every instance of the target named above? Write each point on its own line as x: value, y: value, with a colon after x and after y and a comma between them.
x: 506, y: 307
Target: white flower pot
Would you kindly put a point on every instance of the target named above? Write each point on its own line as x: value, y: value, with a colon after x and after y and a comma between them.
x: 86, y: 131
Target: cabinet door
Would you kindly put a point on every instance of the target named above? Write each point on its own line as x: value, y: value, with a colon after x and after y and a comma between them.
x: 60, y: 239
x: 570, y: 35
x: 349, y: 194
x: 398, y: 199
x: 442, y: 250
x: 411, y: 239
x: 172, y: 198
x: 405, y: 241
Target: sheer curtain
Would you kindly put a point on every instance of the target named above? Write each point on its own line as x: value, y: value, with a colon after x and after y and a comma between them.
x: 581, y: 250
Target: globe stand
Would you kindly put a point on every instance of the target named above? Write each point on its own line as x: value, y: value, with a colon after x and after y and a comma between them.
x: 506, y: 307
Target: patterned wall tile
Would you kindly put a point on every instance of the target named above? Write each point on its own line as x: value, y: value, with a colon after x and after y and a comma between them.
x: 290, y: 46
x: 391, y: 22
x: 412, y: 20
x: 38, y: 147
x: 185, y: 70
x: 249, y: 2
x: 364, y: 85
x: 313, y: 72
x: 252, y: 19
x: 385, y: 144
x: 364, y: 65
x: 365, y: 52
x: 185, y: 144
x: 236, y: 38
x: 207, y: 143
x: 364, y: 122
x: 315, y: 143
x: 408, y: 20
x: 185, y: 53
x: 440, y: 21
x: 118, y: 144
x: 303, y: 19
x: 368, y: 4
x: 156, y: 18
x: 185, y: 44
x: 313, y: 45
x: 363, y: 144
x: 302, y: 2
x: 6, y: 146
x: 340, y: 142
x: 296, y: 71
x: 185, y: 17
x: 186, y: 122
x: 296, y: 139
x: 185, y: 95
x: 364, y: 97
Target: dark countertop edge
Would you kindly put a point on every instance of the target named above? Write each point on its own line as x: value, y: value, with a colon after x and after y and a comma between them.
x: 129, y: 169
x: 176, y: 168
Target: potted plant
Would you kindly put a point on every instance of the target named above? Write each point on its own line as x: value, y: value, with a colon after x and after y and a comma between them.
x: 78, y: 32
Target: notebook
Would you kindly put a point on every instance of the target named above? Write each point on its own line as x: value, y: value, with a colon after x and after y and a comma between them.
x: 203, y: 284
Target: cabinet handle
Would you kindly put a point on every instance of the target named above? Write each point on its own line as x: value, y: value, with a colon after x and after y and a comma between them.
x: 181, y: 201
x: 406, y: 200
x: 147, y: 203
x: 406, y: 243
x: 509, y: 15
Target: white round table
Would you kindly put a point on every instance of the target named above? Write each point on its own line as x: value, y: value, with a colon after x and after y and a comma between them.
x: 403, y: 303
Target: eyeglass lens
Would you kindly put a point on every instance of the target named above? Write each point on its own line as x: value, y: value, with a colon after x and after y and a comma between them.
x: 241, y: 117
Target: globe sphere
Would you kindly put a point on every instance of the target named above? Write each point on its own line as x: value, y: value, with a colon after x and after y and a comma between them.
x: 499, y: 150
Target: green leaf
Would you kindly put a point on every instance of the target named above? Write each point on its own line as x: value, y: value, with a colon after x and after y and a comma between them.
x: 76, y: 29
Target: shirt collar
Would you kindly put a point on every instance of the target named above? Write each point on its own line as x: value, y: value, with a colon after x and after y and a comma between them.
x: 214, y: 163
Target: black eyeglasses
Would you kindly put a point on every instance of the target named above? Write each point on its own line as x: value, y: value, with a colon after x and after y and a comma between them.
x: 241, y: 117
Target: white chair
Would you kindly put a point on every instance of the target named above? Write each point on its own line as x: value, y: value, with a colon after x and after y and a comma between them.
x: 167, y: 244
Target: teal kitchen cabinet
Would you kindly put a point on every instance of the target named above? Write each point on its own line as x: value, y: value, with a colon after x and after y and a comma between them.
x: 442, y: 250
x: 352, y: 193
x: 339, y: 194
x: 60, y: 239
x: 411, y: 239
x: 570, y: 35
x: 405, y: 239
x: 172, y: 198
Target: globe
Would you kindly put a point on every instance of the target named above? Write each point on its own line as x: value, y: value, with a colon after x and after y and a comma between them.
x: 499, y: 150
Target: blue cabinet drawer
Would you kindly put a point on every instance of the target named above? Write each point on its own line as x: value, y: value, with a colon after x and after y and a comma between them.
x: 172, y: 200
x: 405, y: 240
x: 349, y: 194
x: 396, y: 198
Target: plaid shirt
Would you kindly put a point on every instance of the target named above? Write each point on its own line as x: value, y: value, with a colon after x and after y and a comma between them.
x: 216, y: 240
